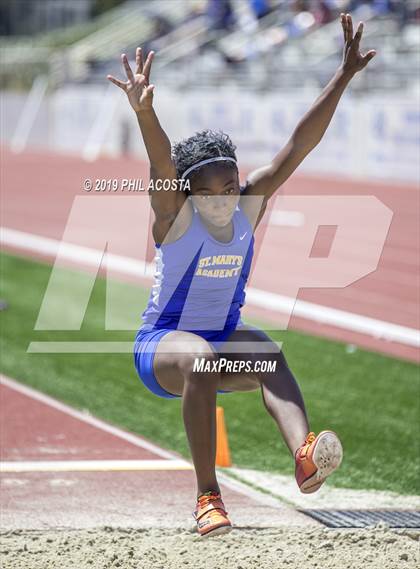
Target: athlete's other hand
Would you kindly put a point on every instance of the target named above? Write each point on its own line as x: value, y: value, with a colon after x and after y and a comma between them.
x: 137, y: 87
x: 353, y: 60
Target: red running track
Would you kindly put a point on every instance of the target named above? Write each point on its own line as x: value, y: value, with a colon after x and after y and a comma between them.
x: 39, y: 188
x: 43, y: 484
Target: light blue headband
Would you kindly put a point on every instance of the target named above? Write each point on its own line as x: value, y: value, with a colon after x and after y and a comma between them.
x: 208, y: 161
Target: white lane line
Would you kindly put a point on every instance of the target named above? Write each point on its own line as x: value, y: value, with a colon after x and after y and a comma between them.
x: 129, y: 437
x: 70, y: 252
x: 334, y: 317
x: 256, y: 297
x: 93, y: 465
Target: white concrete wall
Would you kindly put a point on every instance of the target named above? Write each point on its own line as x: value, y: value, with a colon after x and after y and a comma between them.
x: 370, y: 137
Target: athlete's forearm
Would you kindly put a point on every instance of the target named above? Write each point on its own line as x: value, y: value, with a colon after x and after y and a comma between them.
x: 157, y: 143
x: 313, y: 125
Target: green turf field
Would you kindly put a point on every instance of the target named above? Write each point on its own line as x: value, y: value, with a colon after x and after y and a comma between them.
x: 372, y: 401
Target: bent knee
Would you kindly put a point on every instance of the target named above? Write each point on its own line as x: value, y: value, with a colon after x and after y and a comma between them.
x: 199, y: 360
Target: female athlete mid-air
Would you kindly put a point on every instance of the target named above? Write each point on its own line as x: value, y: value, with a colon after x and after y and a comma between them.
x: 204, y: 245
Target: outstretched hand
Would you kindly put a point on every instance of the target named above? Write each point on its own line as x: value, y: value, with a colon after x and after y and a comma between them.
x: 353, y: 60
x: 137, y: 87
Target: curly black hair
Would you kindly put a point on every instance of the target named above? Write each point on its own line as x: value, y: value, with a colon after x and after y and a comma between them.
x: 200, y: 146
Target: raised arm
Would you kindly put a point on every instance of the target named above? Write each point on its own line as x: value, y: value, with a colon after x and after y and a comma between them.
x: 311, y: 128
x: 139, y: 92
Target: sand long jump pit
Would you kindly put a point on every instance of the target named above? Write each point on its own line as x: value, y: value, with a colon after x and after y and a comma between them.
x: 243, y: 548
x: 78, y: 493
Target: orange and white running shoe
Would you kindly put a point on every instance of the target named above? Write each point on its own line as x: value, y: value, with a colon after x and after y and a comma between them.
x: 316, y: 459
x: 211, y: 515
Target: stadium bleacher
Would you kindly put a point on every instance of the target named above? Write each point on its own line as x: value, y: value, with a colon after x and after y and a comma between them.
x: 261, y: 44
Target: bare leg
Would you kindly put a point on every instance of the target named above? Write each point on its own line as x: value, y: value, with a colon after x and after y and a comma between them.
x: 199, y: 414
x: 280, y: 391
x: 283, y: 400
x: 174, y: 370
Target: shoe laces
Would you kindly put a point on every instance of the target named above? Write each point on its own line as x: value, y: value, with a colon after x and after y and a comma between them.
x: 205, y: 499
x: 310, y: 438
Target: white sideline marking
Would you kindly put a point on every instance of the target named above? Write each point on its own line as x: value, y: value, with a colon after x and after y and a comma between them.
x: 129, y: 437
x: 83, y: 255
x: 256, y: 297
x: 285, y: 488
x: 334, y: 317
x: 92, y: 465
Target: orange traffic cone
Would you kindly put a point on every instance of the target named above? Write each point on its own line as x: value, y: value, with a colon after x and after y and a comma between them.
x: 222, y: 445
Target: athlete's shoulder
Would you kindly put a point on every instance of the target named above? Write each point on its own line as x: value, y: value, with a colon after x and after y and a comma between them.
x: 252, y: 206
x: 180, y: 226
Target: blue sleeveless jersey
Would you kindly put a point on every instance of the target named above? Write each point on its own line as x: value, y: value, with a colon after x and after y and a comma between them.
x: 199, y: 281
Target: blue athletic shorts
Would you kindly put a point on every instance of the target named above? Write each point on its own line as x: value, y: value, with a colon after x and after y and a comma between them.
x: 147, y: 339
